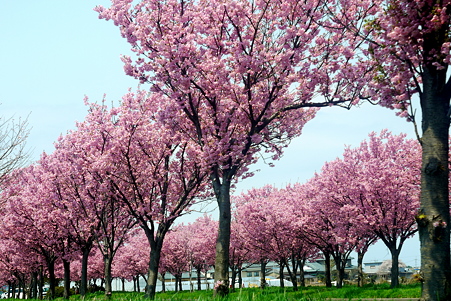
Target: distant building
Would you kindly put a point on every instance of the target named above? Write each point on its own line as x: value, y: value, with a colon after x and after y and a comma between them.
x: 381, y: 270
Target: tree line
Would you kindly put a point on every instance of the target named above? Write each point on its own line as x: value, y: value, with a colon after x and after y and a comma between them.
x: 94, y: 209
x: 222, y: 82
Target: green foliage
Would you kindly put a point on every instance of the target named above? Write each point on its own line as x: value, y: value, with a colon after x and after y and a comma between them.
x: 312, y: 293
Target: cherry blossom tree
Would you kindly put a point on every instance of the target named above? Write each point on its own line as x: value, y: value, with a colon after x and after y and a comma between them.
x: 407, y: 43
x: 239, y: 77
x: 268, y: 223
x: 239, y: 251
x: 334, y: 231
x: 174, y: 255
x: 383, y: 195
x: 151, y: 170
x: 132, y: 259
x: 42, y: 227
x: 201, y: 245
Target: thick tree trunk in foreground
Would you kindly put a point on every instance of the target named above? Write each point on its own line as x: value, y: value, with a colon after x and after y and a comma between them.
x: 222, y: 192
x: 433, y: 218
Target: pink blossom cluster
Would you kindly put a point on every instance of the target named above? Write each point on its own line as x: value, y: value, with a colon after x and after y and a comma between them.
x: 371, y: 193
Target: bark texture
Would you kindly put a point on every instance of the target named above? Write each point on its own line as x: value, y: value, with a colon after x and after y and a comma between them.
x: 433, y: 218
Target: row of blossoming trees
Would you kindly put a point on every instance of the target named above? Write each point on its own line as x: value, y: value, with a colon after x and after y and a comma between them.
x: 229, y: 79
x: 75, y: 210
x: 254, y: 61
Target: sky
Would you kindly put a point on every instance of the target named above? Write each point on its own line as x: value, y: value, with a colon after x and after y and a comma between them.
x: 55, y: 52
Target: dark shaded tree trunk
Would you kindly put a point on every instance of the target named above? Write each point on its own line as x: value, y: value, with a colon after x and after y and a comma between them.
x: 433, y: 218
x: 52, y: 279
x: 263, y: 274
x: 222, y: 192
x: 13, y: 291
x: 340, y: 265
x: 66, y: 266
x: 234, y: 274
x: 163, y: 283
x: 394, y: 277
x: 41, y: 282
x: 327, y: 273
x: 156, y: 244
x: 123, y: 284
x: 84, y: 270
x: 152, y: 275
x: 292, y: 271
x: 301, y: 265
x: 281, y: 276
x: 34, y: 285
x: 198, y: 275
x: 107, y: 262
x: 360, y: 268
x: 240, y: 277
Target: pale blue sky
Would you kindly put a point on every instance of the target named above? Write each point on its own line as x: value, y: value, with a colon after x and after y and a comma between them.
x: 53, y: 52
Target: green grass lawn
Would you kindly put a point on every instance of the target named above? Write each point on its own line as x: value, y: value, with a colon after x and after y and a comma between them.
x: 314, y: 293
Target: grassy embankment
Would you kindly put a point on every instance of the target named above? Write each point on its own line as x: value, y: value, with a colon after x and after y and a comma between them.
x: 274, y: 294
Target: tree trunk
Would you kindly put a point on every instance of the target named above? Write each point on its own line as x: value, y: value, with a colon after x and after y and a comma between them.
x: 263, y: 274
x: 84, y: 271
x: 66, y: 266
x: 123, y: 284
x: 293, y: 278
x: 360, y: 268
x: 433, y: 218
x: 107, y: 261
x: 222, y: 192
x: 394, y: 277
x: 163, y: 283
x: 232, y: 285
x: 340, y: 266
x: 199, y: 283
x: 176, y: 282
x: 13, y: 291
x: 240, y: 277
x: 41, y: 282
x: 152, y: 275
x: 34, y: 286
x: 281, y: 276
x: 52, y: 278
x: 327, y: 275
x: 156, y: 244
x: 301, y: 272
